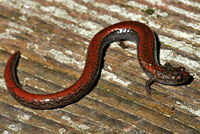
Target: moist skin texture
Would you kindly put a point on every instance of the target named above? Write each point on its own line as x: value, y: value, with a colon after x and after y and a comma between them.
x: 122, y: 31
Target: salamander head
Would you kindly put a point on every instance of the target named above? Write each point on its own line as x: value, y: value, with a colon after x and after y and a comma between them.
x: 172, y: 75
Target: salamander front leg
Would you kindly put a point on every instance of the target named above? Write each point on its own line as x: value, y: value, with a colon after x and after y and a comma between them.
x: 148, y: 85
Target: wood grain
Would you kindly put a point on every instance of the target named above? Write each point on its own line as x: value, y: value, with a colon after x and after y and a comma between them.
x: 53, y: 36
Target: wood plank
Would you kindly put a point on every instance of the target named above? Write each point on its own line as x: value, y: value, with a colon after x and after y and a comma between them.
x: 53, y: 36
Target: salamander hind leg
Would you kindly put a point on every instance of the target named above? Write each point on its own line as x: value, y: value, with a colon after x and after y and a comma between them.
x: 122, y: 45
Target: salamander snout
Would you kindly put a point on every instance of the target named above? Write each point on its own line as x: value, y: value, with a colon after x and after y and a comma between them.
x: 173, y: 75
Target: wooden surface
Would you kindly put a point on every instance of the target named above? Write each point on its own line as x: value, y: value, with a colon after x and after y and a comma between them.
x: 53, y: 36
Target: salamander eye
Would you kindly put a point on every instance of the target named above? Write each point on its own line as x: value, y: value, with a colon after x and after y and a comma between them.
x: 181, y: 68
